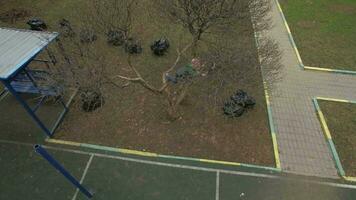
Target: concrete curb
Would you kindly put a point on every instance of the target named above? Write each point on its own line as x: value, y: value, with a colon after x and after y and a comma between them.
x: 155, y: 155
x: 269, y: 109
x: 273, y: 130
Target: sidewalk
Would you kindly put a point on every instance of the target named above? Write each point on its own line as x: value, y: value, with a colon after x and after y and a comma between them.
x: 302, y: 145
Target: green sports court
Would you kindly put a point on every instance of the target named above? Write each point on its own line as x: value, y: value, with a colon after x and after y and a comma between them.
x: 25, y: 175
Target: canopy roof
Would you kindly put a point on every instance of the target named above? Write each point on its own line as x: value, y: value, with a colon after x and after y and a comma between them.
x: 18, y: 47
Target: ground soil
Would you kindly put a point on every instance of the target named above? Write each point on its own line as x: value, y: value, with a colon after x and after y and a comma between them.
x: 341, y: 120
x: 134, y: 118
x: 342, y: 8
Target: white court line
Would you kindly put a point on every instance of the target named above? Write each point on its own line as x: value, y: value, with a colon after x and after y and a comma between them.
x: 19, y: 143
x: 217, y: 191
x: 251, y: 174
x: 83, y: 176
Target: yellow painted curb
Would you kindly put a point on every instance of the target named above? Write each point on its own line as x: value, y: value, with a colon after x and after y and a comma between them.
x: 331, y: 99
x: 135, y: 152
x: 348, y: 178
x: 220, y: 162
x: 319, y: 69
x: 324, y: 124
x: 275, y: 149
x: 273, y: 133
x: 63, y: 142
x: 148, y: 154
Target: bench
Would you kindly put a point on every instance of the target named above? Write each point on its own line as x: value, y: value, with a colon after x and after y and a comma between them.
x: 23, y: 84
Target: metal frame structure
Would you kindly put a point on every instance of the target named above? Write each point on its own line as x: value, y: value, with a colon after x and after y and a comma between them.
x: 52, y: 161
x: 19, y: 68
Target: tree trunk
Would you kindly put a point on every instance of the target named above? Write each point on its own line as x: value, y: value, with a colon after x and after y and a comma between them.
x: 196, y: 40
x: 195, y: 49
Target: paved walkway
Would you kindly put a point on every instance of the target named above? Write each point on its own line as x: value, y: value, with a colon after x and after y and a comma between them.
x: 302, y: 145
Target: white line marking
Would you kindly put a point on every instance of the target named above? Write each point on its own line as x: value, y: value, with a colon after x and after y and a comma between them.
x: 339, y: 185
x: 18, y: 143
x: 83, y: 176
x: 217, y: 191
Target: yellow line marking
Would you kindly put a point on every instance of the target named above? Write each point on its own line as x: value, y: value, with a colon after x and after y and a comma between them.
x: 279, y: 7
x: 324, y: 124
x: 348, y: 178
x: 135, y: 152
x: 331, y: 99
x: 126, y: 151
x: 288, y: 29
x: 220, y: 162
x: 319, y: 69
x: 276, y: 153
x: 63, y: 142
x: 298, y: 55
x: 267, y: 101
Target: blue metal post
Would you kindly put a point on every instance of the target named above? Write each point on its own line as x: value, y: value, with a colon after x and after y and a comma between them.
x: 62, y: 170
x: 27, y: 107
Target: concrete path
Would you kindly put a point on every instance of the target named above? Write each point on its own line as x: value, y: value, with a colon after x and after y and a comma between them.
x: 302, y: 145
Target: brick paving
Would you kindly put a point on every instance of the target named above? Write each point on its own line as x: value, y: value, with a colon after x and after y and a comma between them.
x: 302, y: 145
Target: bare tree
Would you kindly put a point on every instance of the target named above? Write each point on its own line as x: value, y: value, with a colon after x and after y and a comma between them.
x: 259, y: 10
x: 174, y: 87
x: 13, y: 15
x: 198, y: 16
x: 111, y: 15
x: 84, y: 66
x: 81, y: 66
x: 87, y: 60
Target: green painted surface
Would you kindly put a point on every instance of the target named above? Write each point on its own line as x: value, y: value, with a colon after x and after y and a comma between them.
x: 324, y: 31
x: 249, y: 188
x: 114, y: 179
x: 25, y: 175
x: 17, y: 125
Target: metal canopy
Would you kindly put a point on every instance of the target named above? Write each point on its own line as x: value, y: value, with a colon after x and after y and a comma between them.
x: 18, y: 47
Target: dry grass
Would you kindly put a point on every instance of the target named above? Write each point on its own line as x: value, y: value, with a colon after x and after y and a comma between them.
x: 341, y: 121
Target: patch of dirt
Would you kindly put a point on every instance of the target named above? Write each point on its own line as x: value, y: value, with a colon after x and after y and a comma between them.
x: 14, y: 15
x: 307, y: 24
x: 342, y: 8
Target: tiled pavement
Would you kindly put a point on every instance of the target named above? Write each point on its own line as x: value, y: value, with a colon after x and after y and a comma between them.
x: 302, y: 146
